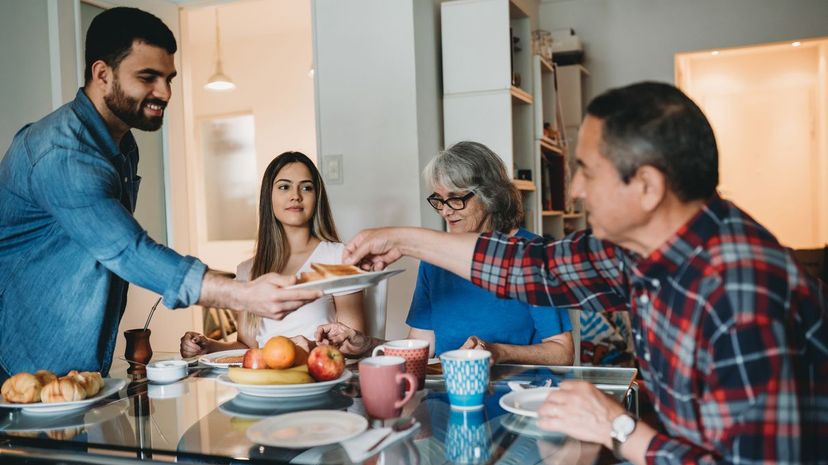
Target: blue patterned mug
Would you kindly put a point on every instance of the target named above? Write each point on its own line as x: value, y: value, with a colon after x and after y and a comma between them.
x: 467, y: 376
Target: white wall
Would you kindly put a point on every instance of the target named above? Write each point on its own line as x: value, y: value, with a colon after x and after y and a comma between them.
x: 25, y: 74
x: 374, y: 108
x: 267, y: 51
x: 632, y: 40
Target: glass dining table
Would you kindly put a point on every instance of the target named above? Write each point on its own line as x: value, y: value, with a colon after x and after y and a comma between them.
x: 200, y: 420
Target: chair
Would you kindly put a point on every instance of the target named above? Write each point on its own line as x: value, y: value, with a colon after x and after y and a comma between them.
x: 575, y: 318
x: 374, y: 304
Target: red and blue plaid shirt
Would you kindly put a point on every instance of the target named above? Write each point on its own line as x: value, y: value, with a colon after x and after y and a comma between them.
x: 731, y: 335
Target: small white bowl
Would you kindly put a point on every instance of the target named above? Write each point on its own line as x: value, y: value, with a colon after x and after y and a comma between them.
x: 166, y: 371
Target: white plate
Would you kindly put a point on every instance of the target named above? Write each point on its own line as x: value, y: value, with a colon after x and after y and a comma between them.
x: 311, y: 428
x: 210, y: 359
x: 350, y: 283
x: 525, y: 402
x: 285, y: 390
x: 111, y: 386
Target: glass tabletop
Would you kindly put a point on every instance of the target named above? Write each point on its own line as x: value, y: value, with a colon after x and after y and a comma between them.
x: 201, y: 420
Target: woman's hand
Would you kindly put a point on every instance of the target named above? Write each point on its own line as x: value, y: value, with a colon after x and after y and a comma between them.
x: 303, y: 342
x: 193, y: 343
x: 348, y: 340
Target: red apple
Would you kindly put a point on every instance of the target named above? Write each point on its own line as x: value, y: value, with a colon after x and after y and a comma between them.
x: 254, y: 358
x: 325, y: 363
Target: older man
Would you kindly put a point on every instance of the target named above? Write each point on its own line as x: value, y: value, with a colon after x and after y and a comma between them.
x: 730, y: 333
x: 68, y: 187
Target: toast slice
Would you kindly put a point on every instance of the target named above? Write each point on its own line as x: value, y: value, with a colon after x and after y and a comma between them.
x: 332, y: 271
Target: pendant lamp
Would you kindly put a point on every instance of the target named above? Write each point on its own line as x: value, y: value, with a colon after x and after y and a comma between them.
x: 219, y: 81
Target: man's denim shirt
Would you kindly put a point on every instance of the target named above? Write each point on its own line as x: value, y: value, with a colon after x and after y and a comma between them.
x: 69, y: 244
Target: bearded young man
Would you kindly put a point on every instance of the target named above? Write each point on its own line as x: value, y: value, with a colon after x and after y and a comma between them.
x: 730, y: 333
x: 68, y: 241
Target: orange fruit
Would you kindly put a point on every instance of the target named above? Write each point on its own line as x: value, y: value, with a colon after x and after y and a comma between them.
x: 301, y: 357
x: 279, y: 352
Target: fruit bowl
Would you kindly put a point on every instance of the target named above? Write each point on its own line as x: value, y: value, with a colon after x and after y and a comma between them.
x: 285, y: 390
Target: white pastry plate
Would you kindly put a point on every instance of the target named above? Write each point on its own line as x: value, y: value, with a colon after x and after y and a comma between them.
x: 210, y: 359
x: 311, y: 428
x: 111, y: 386
x: 350, y: 283
x: 525, y: 402
x: 284, y: 390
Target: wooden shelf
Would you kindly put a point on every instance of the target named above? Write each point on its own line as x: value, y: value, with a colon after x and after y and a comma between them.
x: 548, y: 146
x: 521, y: 95
x: 546, y: 67
x: 552, y: 213
x: 524, y: 185
x: 572, y: 216
x: 515, y: 11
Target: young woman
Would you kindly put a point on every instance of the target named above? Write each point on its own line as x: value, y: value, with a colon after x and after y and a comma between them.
x: 473, y: 193
x: 296, y: 228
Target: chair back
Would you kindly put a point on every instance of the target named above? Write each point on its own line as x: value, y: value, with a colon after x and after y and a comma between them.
x: 575, y: 319
x: 374, y: 302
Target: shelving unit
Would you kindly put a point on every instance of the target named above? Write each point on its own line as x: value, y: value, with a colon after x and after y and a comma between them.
x: 482, y: 102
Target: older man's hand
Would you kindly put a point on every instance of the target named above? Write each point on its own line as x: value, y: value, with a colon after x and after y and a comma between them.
x: 581, y: 411
x: 374, y: 249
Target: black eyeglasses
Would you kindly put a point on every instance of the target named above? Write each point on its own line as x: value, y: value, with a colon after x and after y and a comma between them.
x: 455, y: 203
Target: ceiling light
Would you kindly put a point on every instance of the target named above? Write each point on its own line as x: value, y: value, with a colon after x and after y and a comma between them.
x: 219, y: 80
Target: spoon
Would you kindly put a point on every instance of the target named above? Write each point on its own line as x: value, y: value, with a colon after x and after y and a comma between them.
x: 400, y: 425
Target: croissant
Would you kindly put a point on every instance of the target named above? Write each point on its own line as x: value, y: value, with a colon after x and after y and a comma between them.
x: 22, y: 388
x: 90, y: 381
x: 45, y: 377
x: 64, y: 389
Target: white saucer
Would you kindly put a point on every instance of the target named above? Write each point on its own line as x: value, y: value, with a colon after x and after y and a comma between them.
x: 310, y: 428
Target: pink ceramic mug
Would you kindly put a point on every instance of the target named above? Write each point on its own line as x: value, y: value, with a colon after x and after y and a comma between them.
x: 381, y: 383
x: 415, y: 353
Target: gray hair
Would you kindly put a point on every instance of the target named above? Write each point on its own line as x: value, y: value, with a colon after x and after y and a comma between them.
x: 471, y: 166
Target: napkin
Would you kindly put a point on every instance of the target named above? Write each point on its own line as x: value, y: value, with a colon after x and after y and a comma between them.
x: 357, y: 447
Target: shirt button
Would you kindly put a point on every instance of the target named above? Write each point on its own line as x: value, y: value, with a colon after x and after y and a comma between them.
x: 637, y: 336
x: 647, y: 356
x: 656, y: 283
x: 126, y: 179
x: 644, y: 299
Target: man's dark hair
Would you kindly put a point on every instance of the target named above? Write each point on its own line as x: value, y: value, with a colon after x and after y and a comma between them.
x: 655, y: 124
x: 112, y: 33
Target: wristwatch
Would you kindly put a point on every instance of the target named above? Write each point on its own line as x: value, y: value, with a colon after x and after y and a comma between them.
x: 622, y: 427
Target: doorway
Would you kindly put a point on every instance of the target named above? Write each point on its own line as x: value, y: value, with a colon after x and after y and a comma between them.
x: 768, y: 105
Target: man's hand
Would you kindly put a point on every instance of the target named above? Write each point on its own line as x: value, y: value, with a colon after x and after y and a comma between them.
x: 192, y: 344
x: 474, y: 342
x: 266, y: 298
x: 348, y: 340
x: 374, y: 249
x: 581, y: 411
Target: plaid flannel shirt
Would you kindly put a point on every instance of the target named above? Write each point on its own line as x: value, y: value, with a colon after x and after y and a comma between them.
x: 731, y: 335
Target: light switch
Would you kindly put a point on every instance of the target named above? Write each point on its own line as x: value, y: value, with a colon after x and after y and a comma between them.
x: 332, y: 169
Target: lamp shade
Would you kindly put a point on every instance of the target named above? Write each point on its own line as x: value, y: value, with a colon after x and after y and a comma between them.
x: 219, y: 80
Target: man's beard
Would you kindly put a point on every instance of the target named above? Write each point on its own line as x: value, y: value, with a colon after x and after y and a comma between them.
x: 131, y: 111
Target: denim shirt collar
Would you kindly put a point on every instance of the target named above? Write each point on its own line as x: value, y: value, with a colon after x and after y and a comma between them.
x: 95, y: 124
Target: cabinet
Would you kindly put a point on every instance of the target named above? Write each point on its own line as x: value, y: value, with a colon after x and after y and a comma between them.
x: 501, y: 95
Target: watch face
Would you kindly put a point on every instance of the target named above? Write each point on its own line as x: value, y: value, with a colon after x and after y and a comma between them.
x: 623, y: 424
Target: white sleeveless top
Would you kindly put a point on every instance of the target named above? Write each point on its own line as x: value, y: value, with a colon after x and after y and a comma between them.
x: 307, y: 318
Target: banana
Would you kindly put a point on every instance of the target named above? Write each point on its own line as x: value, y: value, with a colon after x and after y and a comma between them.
x: 266, y: 376
x: 303, y: 367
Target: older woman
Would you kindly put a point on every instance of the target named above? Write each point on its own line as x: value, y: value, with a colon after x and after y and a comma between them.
x: 473, y: 193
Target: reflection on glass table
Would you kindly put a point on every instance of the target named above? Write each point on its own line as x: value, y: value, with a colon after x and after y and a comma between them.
x: 200, y: 420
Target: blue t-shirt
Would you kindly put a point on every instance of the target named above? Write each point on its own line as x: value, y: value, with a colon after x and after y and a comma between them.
x: 455, y: 309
